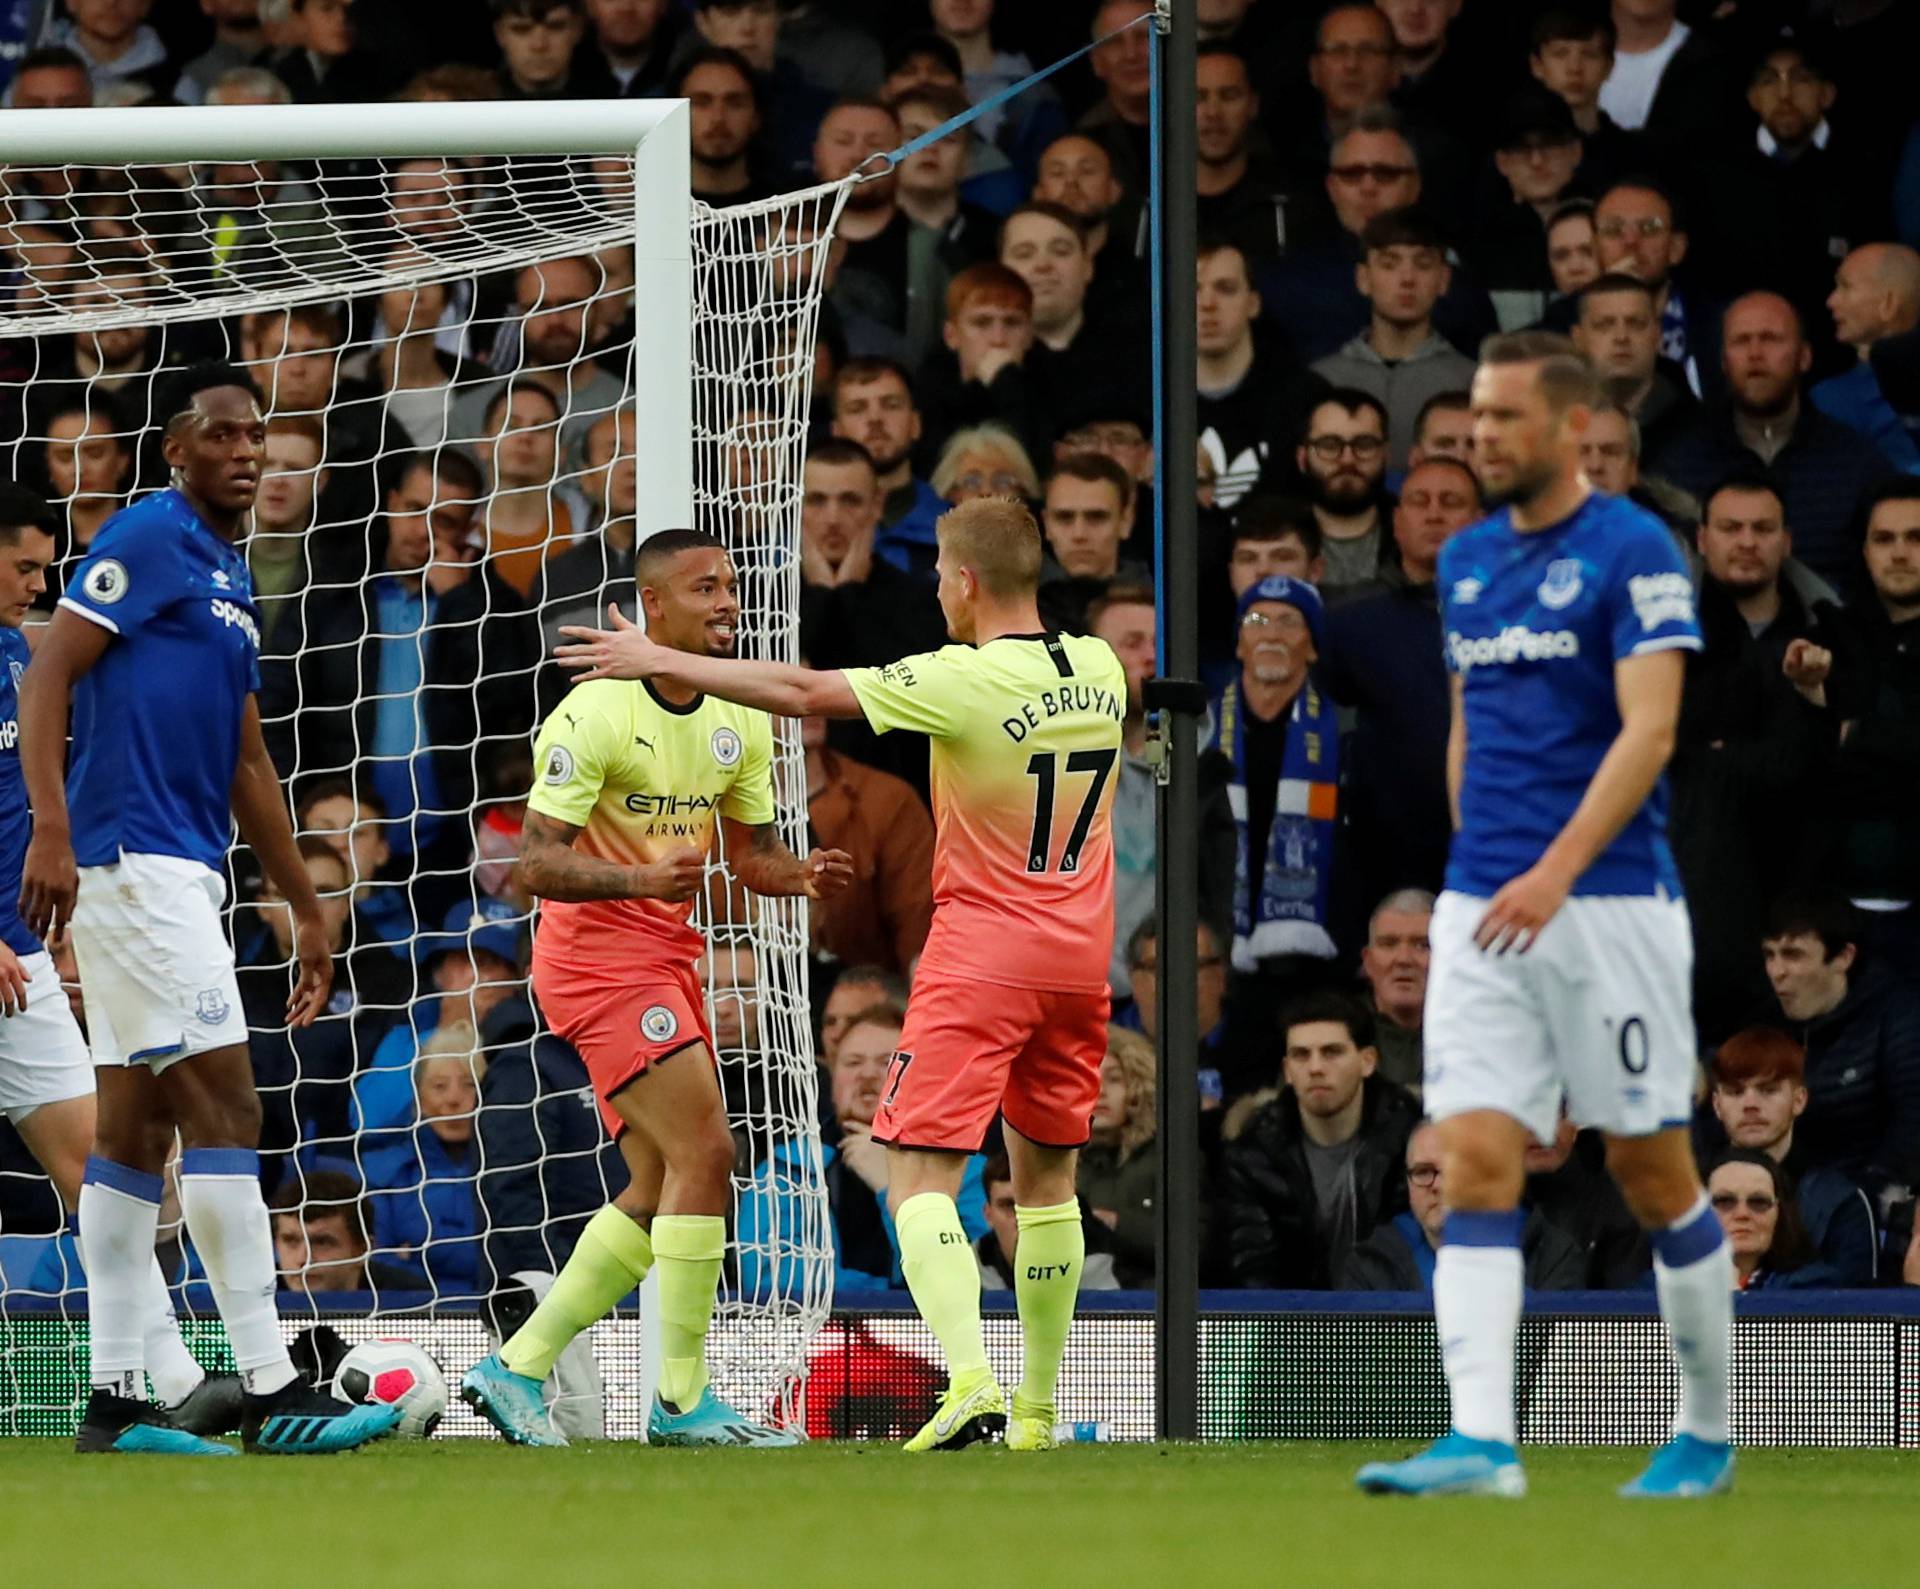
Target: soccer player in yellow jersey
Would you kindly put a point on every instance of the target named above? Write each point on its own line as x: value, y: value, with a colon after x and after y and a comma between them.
x: 1009, y: 1007
x: 630, y: 781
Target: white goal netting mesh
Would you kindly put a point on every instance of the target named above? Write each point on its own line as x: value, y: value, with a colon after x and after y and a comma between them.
x: 446, y: 349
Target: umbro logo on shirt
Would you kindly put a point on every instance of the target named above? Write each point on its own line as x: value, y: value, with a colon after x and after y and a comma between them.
x: 1467, y: 591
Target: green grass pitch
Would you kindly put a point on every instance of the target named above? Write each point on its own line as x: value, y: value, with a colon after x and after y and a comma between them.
x: 463, y: 1513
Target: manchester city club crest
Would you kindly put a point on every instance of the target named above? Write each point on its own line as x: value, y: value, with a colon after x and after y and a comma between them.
x: 726, y: 746
x: 659, y: 1024
x: 1561, y: 587
x: 212, y: 1007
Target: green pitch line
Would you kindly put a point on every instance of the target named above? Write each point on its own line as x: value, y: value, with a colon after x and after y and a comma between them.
x: 479, y: 1513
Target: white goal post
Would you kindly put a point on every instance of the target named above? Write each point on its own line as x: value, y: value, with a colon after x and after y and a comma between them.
x: 449, y: 230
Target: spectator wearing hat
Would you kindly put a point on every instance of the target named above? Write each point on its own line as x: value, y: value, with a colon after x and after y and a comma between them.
x: 1280, y: 736
x: 1536, y: 153
x: 1400, y: 358
x: 1803, y: 191
x: 1382, y: 660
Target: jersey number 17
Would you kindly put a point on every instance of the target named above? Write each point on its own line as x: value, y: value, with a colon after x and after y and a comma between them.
x: 1045, y: 767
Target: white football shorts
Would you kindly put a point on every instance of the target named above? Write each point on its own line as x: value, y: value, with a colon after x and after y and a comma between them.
x: 1599, y: 1012
x: 43, y: 1058
x: 156, y: 971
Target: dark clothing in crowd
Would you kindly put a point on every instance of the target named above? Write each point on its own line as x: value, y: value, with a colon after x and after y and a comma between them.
x: 1293, y: 1210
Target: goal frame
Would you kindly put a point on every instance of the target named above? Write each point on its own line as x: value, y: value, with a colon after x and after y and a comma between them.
x: 653, y: 133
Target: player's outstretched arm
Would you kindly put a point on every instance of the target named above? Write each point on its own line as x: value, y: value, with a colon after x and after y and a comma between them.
x: 49, y: 880
x: 625, y: 652
x: 552, y: 869
x: 761, y: 861
x: 1647, y: 690
x: 260, y: 807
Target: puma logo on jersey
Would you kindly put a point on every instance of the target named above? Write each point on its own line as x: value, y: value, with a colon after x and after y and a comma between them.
x: 646, y: 745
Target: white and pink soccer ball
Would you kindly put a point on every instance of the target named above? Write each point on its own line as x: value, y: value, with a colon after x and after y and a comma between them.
x: 396, y: 1373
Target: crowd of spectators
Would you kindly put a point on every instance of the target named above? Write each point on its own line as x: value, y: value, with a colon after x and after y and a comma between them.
x: 1719, y: 202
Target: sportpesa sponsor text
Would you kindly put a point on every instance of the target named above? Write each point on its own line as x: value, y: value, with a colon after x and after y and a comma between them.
x: 1516, y: 643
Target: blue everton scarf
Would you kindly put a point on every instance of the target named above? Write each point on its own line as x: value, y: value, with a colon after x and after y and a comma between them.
x: 1280, y: 907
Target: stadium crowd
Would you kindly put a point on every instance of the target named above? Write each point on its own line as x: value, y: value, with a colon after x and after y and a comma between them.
x: 1720, y: 203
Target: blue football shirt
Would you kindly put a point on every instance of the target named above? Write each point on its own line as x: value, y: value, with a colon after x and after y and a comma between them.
x: 156, y: 723
x: 1534, y: 623
x: 16, y: 824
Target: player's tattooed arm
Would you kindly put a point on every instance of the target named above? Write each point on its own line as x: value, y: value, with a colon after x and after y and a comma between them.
x: 552, y: 869
x: 761, y: 861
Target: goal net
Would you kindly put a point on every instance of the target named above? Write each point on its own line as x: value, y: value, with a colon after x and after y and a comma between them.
x: 498, y: 346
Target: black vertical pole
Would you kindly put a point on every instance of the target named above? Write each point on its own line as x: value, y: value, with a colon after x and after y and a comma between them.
x: 1180, y: 706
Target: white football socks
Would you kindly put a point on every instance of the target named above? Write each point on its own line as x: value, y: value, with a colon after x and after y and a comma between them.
x: 170, y: 1366
x: 119, y: 1216
x: 227, y: 1219
x: 1477, y: 1280
x: 1693, y: 1272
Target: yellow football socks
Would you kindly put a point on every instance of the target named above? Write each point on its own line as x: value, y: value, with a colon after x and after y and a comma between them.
x: 1046, y: 1280
x: 612, y: 1256
x: 944, y: 1277
x: 688, y: 1249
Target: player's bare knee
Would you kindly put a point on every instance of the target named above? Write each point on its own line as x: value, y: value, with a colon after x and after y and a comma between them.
x: 1482, y: 1175
x: 640, y: 1207
x: 703, y: 1157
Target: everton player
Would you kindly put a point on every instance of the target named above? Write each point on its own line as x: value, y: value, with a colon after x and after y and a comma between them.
x: 155, y: 652
x: 1561, y: 948
x: 1008, y: 1014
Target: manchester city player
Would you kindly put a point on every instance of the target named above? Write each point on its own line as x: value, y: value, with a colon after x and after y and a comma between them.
x: 46, y: 1078
x: 155, y: 647
x: 1561, y: 948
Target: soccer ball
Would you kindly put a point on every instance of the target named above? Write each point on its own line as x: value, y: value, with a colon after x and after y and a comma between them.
x: 399, y: 1374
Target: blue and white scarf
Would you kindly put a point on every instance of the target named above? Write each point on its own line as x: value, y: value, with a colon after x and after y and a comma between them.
x: 1286, y: 913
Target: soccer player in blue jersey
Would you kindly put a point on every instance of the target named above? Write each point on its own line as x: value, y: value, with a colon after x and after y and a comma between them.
x: 1561, y: 948
x: 155, y: 650
x: 46, y: 1078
